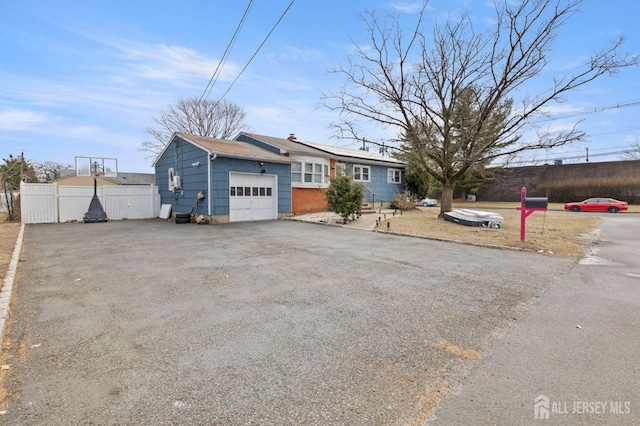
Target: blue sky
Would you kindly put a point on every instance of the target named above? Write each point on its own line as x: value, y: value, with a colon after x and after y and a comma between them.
x: 85, y: 78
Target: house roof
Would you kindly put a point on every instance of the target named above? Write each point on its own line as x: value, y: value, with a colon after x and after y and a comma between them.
x: 286, y: 145
x: 352, y: 154
x: 311, y: 148
x: 229, y: 149
x: 125, y: 178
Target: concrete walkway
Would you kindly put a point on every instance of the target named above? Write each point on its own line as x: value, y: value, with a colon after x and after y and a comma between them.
x: 366, y: 221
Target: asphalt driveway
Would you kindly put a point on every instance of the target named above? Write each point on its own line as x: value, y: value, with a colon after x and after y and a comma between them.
x: 150, y: 322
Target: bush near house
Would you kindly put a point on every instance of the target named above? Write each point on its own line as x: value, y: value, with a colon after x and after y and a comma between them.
x: 403, y: 201
x: 344, y: 196
x: 621, y: 188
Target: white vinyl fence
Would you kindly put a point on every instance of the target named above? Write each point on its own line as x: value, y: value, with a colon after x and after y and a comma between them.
x: 51, y: 203
x: 38, y: 202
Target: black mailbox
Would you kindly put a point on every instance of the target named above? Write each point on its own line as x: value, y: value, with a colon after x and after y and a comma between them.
x: 536, y: 202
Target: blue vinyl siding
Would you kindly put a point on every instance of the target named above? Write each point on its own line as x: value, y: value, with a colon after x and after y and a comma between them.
x: 378, y: 184
x: 221, y: 167
x: 181, y: 155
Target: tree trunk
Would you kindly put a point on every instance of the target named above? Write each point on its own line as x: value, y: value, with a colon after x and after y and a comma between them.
x: 447, y: 197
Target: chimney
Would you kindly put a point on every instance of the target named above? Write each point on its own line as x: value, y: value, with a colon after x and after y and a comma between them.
x: 292, y: 137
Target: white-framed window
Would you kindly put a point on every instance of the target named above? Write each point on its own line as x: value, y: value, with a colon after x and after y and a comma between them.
x: 296, y: 172
x: 309, y: 173
x: 361, y: 173
x: 394, y: 176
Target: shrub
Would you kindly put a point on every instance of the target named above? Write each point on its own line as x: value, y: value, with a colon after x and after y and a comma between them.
x: 403, y: 201
x: 344, y: 196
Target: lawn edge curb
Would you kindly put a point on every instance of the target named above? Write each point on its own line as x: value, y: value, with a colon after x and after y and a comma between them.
x: 7, y: 288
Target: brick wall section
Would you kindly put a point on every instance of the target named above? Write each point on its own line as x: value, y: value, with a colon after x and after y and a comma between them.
x: 308, y: 200
x: 507, y: 183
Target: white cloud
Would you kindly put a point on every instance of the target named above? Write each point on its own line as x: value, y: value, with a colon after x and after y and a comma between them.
x: 299, y: 54
x: 176, y: 64
x: 413, y: 7
x: 16, y: 119
x: 562, y: 109
x: 94, y: 89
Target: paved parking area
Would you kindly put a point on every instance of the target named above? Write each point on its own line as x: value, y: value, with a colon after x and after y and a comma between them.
x: 149, y: 322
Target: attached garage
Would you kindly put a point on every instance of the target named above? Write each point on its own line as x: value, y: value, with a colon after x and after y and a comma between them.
x: 231, y: 181
x: 252, y: 197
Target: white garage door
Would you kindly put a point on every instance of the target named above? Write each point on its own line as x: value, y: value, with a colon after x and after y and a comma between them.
x: 252, y: 197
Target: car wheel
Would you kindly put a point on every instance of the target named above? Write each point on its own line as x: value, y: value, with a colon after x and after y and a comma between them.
x: 575, y: 208
x: 613, y: 209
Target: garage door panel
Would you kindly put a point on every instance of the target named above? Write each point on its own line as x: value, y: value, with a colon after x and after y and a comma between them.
x: 252, y: 197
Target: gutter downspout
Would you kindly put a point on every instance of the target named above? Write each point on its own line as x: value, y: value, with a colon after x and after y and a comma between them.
x: 212, y: 157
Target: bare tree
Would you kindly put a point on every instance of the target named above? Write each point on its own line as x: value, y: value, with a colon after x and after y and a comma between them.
x: 214, y: 119
x: 50, y: 170
x: 633, y: 153
x: 415, y: 85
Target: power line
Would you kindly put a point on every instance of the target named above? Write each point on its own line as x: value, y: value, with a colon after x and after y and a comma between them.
x: 613, y: 132
x: 595, y: 110
x: 225, y: 55
x: 257, y: 50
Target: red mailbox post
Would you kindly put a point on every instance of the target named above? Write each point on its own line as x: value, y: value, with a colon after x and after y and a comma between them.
x: 528, y: 206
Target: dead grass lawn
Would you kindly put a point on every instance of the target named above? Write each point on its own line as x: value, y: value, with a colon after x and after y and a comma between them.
x: 558, y: 232
x: 8, y: 235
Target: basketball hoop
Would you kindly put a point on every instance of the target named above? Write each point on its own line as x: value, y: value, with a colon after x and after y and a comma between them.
x: 97, y: 167
x: 95, y: 213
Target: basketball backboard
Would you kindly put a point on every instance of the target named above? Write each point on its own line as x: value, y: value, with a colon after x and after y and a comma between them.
x: 88, y: 166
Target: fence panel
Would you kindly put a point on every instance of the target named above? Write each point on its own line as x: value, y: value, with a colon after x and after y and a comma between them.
x: 131, y: 202
x: 41, y: 203
x: 38, y: 202
x: 74, y: 201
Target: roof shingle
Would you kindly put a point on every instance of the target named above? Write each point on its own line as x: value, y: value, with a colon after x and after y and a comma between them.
x: 235, y: 149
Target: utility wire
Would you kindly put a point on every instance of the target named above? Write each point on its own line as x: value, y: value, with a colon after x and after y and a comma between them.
x: 225, y: 55
x: 257, y: 50
x: 595, y: 110
x: 613, y: 132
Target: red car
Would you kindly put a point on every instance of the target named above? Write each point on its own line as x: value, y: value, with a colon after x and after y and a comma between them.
x: 597, y: 205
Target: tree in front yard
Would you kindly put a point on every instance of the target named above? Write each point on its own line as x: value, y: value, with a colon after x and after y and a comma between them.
x: 344, y: 196
x: 461, y: 96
